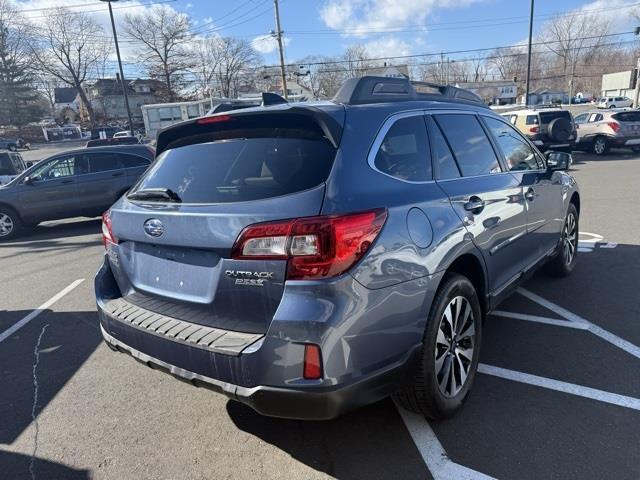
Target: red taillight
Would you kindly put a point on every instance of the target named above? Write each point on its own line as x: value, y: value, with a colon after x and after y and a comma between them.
x: 534, y: 129
x: 315, y: 247
x: 312, y: 362
x: 614, y: 126
x: 107, y: 231
x: 216, y: 119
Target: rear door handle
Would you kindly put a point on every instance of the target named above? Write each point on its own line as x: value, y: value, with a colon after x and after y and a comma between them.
x: 530, y: 195
x: 67, y: 181
x: 117, y: 174
x: 474, y: 205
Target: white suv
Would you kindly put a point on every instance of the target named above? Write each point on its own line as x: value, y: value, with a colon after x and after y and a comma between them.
x: 614, y: 102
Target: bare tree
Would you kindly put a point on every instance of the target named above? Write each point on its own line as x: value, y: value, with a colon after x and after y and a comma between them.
x: 204, y: 51
x: 70, y: 48
x: 356, y: 60
x: 234, y: 56
x: 163, y: 35
x: 572, y: 37
x: 509, y: 63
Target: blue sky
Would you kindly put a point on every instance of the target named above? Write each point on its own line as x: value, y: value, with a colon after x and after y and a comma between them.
x: 327, y: 26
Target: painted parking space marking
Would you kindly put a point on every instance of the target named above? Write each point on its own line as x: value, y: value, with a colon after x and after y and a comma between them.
x: 606, y: 335
x: 425, y: 439
x: 432, y: 452
x: 539, y: 319
x: 559, y: 386
x: 25, y: 320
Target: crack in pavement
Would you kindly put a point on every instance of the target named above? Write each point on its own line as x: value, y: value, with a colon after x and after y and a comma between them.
x: 36, y: 353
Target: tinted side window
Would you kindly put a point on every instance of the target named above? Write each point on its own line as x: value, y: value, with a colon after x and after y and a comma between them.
x: 404, y: 152
x: 518, y: 154
x: 441, y: 152
x: 130, y: 161
x: 582, y: 118
x: 532, y: 120
x: 470, y: 145
x: 103, y: 162
x: 6, y: 167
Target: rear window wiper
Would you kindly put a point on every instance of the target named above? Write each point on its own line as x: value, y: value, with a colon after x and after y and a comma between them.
x: 155, y: 194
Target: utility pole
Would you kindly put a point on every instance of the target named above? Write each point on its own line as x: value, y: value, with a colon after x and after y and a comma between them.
x: 636, y: 93
x: 124, y: 83
x: 573, y: 71
x: 278, y: 34
x: 526, y: 93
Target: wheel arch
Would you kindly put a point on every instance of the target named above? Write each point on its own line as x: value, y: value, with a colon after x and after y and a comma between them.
x: 472, y: 267
x: 12, y: 208
x: 575, y: 200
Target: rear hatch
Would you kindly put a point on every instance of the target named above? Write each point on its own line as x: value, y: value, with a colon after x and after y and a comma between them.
x: 629, y: 124
x: 224, y: 173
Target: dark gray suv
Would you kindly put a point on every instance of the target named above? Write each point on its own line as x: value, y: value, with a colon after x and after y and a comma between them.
x: 76, y: 183
x: 306, y: 259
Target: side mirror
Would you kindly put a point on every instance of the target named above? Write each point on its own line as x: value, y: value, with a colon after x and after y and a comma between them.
x: 557, y: 161
x: 28, y: 180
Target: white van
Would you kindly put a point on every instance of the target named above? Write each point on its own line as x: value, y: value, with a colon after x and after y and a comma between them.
x: 614, y: 102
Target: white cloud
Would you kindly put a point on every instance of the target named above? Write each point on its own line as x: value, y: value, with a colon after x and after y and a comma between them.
x: 358, y: 17
x: 387, y: 47
x: 267, y: 43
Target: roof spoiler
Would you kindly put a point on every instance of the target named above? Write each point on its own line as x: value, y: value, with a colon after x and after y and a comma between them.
x: 358, y: 91
x: 269, y: 98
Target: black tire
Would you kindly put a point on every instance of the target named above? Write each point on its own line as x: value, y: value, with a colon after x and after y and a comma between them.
x: 600, y: 145
x: 561, y: 265
x: 10, y: 223
x: 425, y: 395
x: 560, y: 129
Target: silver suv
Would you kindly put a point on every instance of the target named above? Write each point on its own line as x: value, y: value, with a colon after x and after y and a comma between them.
x: 598, y: 130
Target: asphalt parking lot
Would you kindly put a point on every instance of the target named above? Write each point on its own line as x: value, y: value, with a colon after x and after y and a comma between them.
x: 558, y: 395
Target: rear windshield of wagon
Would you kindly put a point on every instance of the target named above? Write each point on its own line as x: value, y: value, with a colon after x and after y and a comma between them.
x: 244, y: 164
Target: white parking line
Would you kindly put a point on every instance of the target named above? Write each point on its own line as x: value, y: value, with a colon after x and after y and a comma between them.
x: 538, y: 319
x: 17, y: 326
x: 565, y: 387
x: 606, y: 335
x: 432, y: 452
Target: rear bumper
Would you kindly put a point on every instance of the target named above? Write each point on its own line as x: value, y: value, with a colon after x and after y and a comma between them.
x: 367, y: 354
x: 317, y: 404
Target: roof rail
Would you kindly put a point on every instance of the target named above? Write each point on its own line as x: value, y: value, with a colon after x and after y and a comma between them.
x: 362, y: 90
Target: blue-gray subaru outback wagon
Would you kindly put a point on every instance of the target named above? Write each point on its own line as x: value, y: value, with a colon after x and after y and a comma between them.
x: 307, y: 259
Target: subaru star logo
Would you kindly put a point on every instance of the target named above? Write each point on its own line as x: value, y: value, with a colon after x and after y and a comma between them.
x: 153, y: 227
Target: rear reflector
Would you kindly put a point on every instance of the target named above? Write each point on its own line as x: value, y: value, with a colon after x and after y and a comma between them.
x: 312, y: 363
x: 215, y: 119
x: 107, y: 231
x: 534, y: 129
x: 315, y: 247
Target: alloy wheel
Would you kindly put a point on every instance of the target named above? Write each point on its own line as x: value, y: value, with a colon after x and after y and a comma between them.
x: 569, y: 238
x: 455, y: 345
x: 599, y: 146
x: 6, y: 224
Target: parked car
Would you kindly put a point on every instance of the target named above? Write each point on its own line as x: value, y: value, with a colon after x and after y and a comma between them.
x: 104, y: 132
x: 10, y: 144
x: 104, y: 142
x: 614, y: 102
x: 123, y: 134
x: 248, y: 260
x: 11, y: 165
x: 548, y: 128
x: 71, y: 184
x: 599, y: 131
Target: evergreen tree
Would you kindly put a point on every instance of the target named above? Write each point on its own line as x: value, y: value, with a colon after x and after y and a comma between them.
x: 18, y: 98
